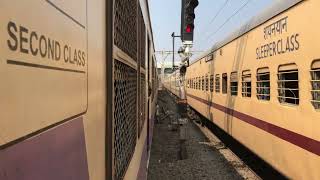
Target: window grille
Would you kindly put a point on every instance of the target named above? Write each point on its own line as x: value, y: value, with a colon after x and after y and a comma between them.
x: 211, y: 83
x: 315, y: 73
x: 125, y: 27
x: 202, y: 87
x: 288, y: 86
x: 315, y: 83
x: 246, y: 83
x: 192, y: 82
x: 143, y: 102
x: 234, y: 84
x: 263, y: 84
x: 224, y: 83
x: 207, y: 83
x: 196, y: 82
x: 217, y: 83
x: 141, y: 39
x: 125, y: 116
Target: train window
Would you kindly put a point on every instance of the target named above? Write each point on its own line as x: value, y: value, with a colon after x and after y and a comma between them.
x: 246, y: 83
x: 217, y: 83
x: 224, y: 83
x: 207, y: 83
x: 234, y: 84
x: 263, y: 84
x: 196, y: 81
x: 202, y: 87
x: 288, y: 84
x: 211, y: 83
x: 315, y: 82
x: 193, y: 83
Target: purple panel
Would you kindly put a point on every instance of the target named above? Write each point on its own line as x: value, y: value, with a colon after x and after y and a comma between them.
x: 56, y: 154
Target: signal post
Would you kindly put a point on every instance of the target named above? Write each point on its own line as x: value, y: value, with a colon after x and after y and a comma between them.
x: 187, y: 31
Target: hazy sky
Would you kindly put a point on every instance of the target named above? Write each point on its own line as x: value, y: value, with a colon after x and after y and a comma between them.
x: 210, y: 26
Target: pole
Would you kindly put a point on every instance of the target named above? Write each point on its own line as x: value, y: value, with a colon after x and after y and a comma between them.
x: 173, y: 36
x: 173, y: 51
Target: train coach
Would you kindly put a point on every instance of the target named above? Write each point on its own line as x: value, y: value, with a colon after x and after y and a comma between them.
x: 78, y: 89
x: 261, y: 85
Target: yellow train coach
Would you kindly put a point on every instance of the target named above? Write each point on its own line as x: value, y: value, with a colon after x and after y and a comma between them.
x: 262, y: 86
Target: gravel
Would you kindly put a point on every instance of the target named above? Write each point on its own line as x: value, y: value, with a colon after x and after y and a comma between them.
x: 202, y: 163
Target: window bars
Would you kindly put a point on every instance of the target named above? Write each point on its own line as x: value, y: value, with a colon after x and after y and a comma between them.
x: 217, y: 83
x: 207, y: 83
x: 288, y: 86
x: 246, y: 83
x: 263, y: 84
x: 202, y: 83
x: 315, y: 91
x: 211, y: 83
x: 224, y: 83
x: 234, y: 84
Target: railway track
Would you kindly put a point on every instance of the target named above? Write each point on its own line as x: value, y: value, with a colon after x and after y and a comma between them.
x: 245, y: 162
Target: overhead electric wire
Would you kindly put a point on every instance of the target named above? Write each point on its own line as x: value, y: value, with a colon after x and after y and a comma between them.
x: 214, y: 18
x: 235, y: 13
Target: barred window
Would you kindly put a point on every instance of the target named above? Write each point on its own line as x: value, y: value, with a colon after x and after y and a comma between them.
x: 193, y: 83
x: 211, y: 83
x: 263, y: 84
x: 224, y: 83
x: 315, y: 82
x: 202, y: 87
x: 234, y: 84
x: 217, y: 83
x: 207, y: 83
x: 199, y: 83
x: 246, y: 83
x: 288, y: 84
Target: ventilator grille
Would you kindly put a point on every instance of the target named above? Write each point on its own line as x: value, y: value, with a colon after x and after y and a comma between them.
x: 125, y: 27
x: 125, y: 113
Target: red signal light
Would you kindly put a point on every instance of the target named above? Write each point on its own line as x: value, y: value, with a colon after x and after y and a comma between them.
x: 189, y: 28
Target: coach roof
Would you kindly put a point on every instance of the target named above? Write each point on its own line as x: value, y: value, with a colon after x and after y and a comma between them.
x: 275, y: 9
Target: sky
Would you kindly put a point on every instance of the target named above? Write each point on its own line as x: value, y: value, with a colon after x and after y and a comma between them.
x: 215, y: 19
